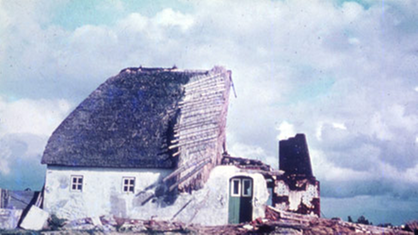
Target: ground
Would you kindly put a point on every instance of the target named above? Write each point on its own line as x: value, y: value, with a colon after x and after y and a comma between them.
x: 305, y: 226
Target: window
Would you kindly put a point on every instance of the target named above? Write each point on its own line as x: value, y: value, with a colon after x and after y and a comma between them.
x: 236, y: 187
x: 241, y: 187
x: 77, y: 183
x: 246, y: 188
x: 128, y: 184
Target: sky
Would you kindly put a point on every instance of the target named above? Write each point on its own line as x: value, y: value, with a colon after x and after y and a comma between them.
x: 342, y: 72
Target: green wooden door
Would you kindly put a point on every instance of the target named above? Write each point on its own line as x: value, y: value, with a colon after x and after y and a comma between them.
x: 240, y: 200
x: 234, y: 200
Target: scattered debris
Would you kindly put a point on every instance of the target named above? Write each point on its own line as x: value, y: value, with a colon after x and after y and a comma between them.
x: 96, y: 221
x: 312, y: 225
x: 133, y: 226
x: 412, y: 226
x: 110, y: 220
x: 248, y: 227
x: 276, y: 222
x: 9, y: 218
x: 80, y: 224
x: 55, y: 223
x: 35, y: 219
x: 246, y: 163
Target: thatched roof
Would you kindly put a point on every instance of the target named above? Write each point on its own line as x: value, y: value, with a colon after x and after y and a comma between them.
x: 127, y: 122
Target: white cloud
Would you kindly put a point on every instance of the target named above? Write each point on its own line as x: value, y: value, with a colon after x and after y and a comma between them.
x: 326, y: 170
x: 5, y: 154
x: 238, y: 149
x: 411, y: 174
x: 112, y: 5
x: 340, y: 126
x: 37, y: 117
x: 352, y: 10
x: 134, y: 22
x: 286, y: 131
x: 20, y: 149
x: 241, y: 150
x: 168, y: 17
x: 25, y: 126
x: 380, y: 128
x: 354, y: 41
x: 389, y: 172
x: 318, y: 131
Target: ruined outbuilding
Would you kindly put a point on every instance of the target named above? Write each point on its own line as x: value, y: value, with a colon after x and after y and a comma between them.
x: 150, y: 143
x: 297, y: 190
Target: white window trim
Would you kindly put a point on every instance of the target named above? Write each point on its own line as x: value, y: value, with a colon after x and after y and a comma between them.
x: 76, y: 183
x: 232, y: 187
x: 128, y: 185
x: 244, y: 194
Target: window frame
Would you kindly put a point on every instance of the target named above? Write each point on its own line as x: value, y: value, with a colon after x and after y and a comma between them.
x: 238, y: 181
x: 77, y: 184
x: 243, y: 193
x: 128, y: 185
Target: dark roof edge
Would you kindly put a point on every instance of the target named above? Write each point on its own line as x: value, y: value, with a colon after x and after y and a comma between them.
x: 110, y: 167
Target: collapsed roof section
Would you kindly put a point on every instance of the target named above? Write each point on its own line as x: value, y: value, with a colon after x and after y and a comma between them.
x: 200, y: 132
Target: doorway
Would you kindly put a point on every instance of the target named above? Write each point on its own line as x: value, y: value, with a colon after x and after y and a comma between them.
x: 240, y: 200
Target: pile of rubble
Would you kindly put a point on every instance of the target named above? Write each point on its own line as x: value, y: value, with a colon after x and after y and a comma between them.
x: 284, y: 224
x: 275, y: 222
x: 310, y: 225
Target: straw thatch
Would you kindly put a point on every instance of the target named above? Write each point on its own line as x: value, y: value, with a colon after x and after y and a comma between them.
x: 143, y: 118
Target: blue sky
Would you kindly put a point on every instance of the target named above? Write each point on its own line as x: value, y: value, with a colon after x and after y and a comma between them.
x: 342, y: 72
x: 77, y: 13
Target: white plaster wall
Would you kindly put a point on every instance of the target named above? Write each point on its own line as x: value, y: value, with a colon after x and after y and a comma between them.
x: 102, y: 190
x: 296, y: 197
x: 102, y: 195
x: 214, y: 197
x: 209, y: 205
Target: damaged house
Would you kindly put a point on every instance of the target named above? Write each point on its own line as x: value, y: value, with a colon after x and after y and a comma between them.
x: 151, y: 143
